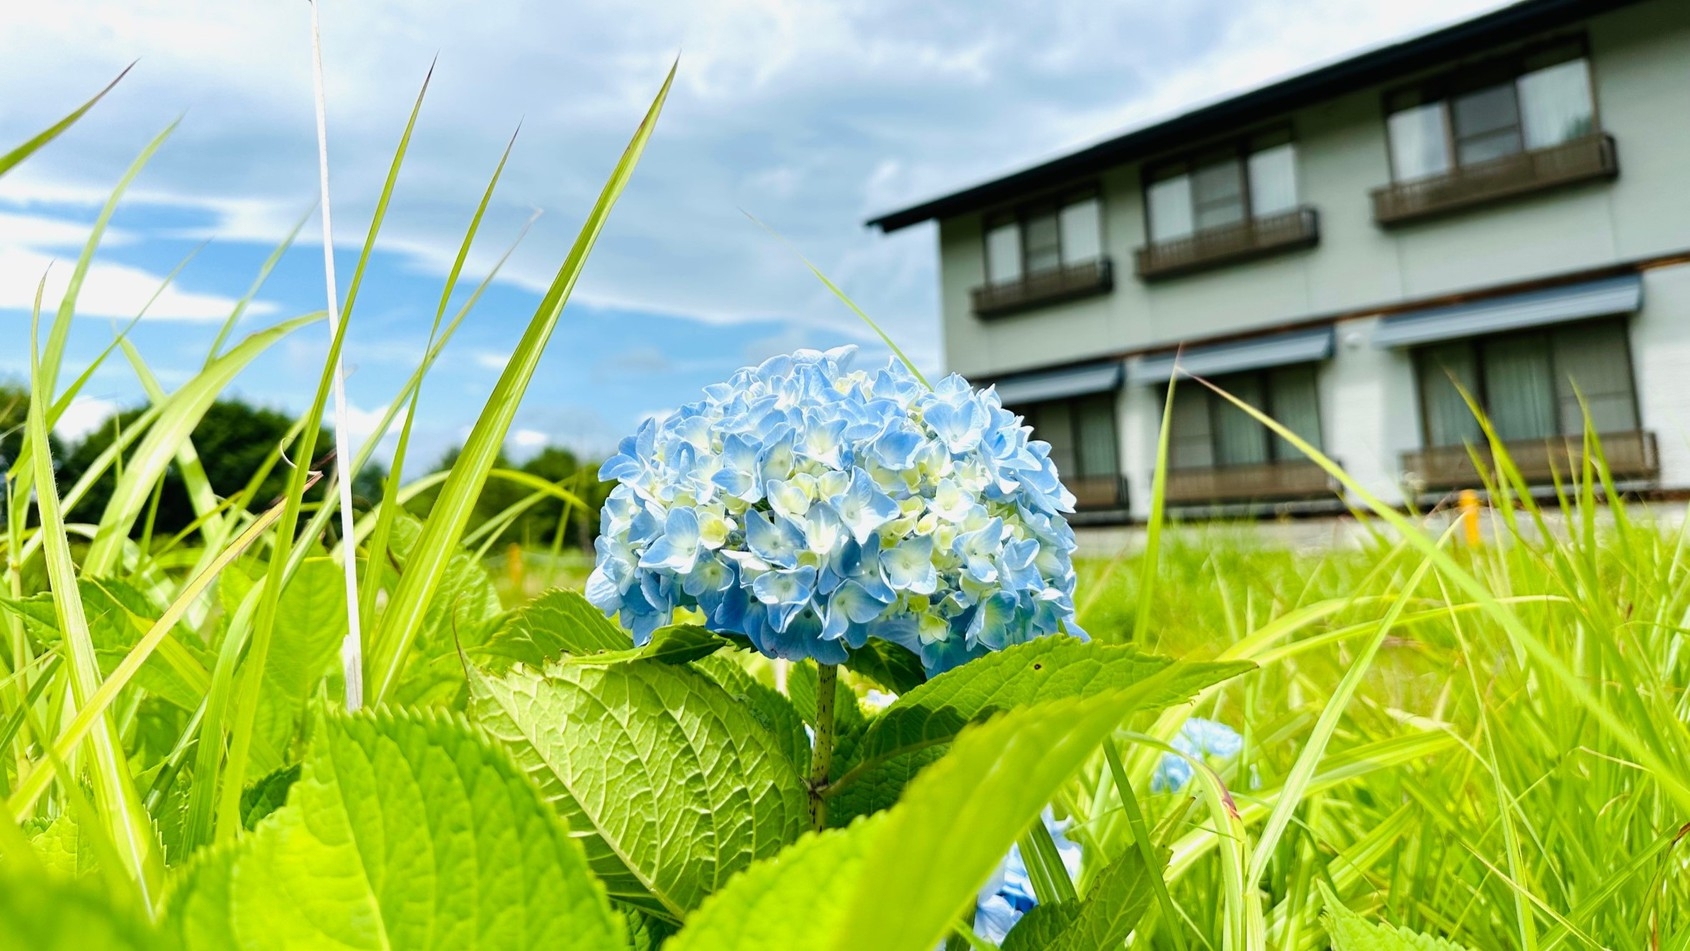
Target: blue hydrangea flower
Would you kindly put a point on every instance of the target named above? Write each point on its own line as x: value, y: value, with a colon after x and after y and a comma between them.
x: 1198, y: 738
x: 810, y: 507
x: 1009, y: 893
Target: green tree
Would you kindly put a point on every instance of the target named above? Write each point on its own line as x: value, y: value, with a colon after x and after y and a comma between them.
x: 541, y: 522
x: 232, y: 441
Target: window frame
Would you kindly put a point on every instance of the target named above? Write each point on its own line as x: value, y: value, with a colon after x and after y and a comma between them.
x: 1476, y: 347
x: 1051, y: 203
x: 1442, y: 88
x: 1237, y: 150
x: 1214, y: 404
x: 1109, y: 397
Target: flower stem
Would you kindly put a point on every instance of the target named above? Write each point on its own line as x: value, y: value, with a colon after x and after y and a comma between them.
x: 821, y: 756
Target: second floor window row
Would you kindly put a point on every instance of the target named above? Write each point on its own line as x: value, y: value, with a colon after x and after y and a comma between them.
x: 1536, y: 102
x: 1223, y: 188
x: 1044, y: 237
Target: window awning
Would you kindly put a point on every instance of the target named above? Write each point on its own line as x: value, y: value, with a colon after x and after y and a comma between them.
x: 1060, y: 384
x: 1303, y: 346
x: 1613, y: 295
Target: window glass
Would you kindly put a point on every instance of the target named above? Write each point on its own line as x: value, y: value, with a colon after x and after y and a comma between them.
x: 1239, y: 439
x: 1096, y: 436
x: 1294, y: 399
x: 1446, y: 370
x: 1217, y: 191
x: 1170, y: 208
x: 1593, y: 360
x: 1273, y: 180
x: 1056, y: 426
x: 1487, y: 124
x: 1419, y: 146
x: 1555, y: 104
x: 1519, y: 387
x: 1042, y: 242
x: 1082, y: 231
x: 1191, y: 444
x: 1003, y: 253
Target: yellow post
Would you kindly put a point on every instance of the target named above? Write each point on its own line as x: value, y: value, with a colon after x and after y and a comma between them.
x: 1470, y: 517
x: 513, y: 568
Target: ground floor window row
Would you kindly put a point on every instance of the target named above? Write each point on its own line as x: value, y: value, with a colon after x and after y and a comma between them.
x: 1535, y: 386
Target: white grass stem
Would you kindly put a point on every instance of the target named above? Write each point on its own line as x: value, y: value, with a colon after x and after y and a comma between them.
x: 351, y: 650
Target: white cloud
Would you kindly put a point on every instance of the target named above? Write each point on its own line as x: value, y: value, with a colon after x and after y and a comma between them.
x: 83, y: 416
x: 361, y: 424
x: 529, y: 439
x: 36, y: 248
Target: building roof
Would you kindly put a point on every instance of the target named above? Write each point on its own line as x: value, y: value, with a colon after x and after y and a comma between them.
x: 1371, y: 68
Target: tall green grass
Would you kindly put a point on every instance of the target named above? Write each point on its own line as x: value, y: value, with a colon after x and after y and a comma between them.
x: 1489, y: 744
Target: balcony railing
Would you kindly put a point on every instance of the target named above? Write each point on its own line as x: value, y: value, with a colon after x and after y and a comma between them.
x: 1578, y: 160
x: 1069, y: 282
x: 1264, y: 482
x: 1212, y: 247
x: 1630, y: 456
x: 1092, y: 493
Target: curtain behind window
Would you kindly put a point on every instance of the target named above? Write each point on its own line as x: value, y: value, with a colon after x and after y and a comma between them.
x: 1082, y: 232
x: 1003, y: 253
x: 1170, y: 208
x: 1096, y: 435
x: 1239, y: 439
x: 1448, y: 420
x: 1594, y: 360
x: 1296, y: 405
x: 1191, y: 445
x: 1273, y: 180
x: 1555, y: 104
x: 1419, y: 143
x: 1520, y: 388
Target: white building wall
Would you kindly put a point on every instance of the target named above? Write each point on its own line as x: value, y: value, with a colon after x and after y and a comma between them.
x: 1640, y: 59
x: 1660, y: 353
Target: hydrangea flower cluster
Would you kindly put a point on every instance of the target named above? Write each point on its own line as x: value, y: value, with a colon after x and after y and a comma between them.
x: 1008, y: 894
x: 810, y: 507
x: 1197, y: 738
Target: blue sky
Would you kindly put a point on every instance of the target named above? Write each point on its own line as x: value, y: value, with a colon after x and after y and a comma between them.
x: 809, y: 115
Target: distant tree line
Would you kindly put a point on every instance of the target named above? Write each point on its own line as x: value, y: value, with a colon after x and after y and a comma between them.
x: 235, y: 439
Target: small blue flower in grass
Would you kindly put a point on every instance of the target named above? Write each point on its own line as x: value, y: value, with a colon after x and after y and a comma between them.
x: 1198, y: 738
x: 810, y: 507
x: 1009, y: 893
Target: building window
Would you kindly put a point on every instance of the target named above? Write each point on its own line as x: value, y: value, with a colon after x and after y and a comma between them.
x: 1081, y: 432
x: 1529, y: 384
x: 1211, y: 433
x: 1536, y: 100
x: 1254, y: 179
x: 1043, y: 237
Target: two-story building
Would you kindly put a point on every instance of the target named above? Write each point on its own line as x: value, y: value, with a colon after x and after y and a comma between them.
x: 1499, y: 208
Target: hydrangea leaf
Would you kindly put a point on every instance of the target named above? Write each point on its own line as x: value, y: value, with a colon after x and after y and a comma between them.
x: 310, y: 625
x: 64, y: 850
x: 768, y: 706
x: 1103, y: 919
x: 557, y: 623
x: 462, y: 614
x: 669, y: 782
x: 1044, y: 669
x: 896, y: 881
x: 894, y: 667
x: 403, y: 831
x: 1352, y: 932
x: 51, y: 914
x: 675, y: 644
x: 267, y: 795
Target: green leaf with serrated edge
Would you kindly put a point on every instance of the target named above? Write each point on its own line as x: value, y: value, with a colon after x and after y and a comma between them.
x: 1351, y: 932
x: 463, y: 613
x: 545, y: 629
x: 646, y: 932
x: 44, y: 913
x: 404, y: 830
x: 878, y: 788
x: 310, y: 626
x: 267, y: 795
x: 1042, y: 927
x: 63, y: 850
x: 896, y: 881
x: 896, y: 668
x: 1045, y: 668
x: 669, y: 783
x: 768, y: 706
x: 675, y: 644
x: 791, y: 902
x: 1103, y: 919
